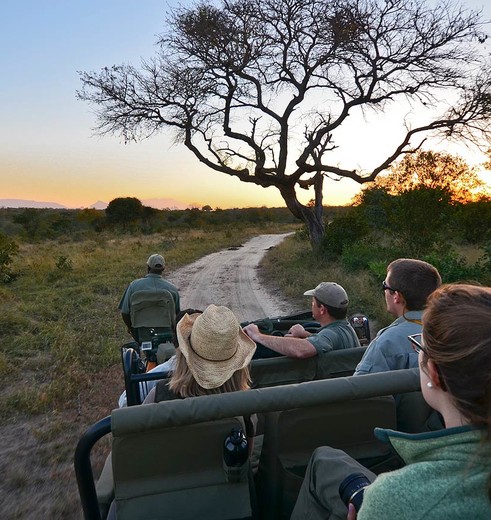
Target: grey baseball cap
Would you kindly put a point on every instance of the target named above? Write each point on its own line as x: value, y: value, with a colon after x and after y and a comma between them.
x: 330, y: 293
x: 155, y: 261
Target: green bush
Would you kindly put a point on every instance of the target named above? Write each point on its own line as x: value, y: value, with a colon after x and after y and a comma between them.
x: 8, y: 250
x: 342, y: 232
x: 360, y: 255
x: 64, y: 263
x: 453, y: 268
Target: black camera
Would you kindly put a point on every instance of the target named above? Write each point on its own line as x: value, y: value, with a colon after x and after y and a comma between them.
x: 351, y: 489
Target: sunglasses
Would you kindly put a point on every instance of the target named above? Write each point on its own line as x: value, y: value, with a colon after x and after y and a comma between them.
x: 416, y: 343
x: 387, y: 288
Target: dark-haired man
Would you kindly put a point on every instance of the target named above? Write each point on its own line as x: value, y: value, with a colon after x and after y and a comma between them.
x: 406, y: 287
x: 329, y: 308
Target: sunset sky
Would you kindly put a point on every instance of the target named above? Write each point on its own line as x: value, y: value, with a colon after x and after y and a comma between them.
x: 47, y: 148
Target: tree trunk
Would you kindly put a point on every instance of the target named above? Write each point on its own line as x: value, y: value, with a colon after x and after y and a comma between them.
x: 311, y: 216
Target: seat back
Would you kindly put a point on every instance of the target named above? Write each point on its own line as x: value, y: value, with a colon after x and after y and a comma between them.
x: 283, y: 370
x: 414, y: 414
x: 175, y: 471
x: 291, y: 436
x: 153, y: 313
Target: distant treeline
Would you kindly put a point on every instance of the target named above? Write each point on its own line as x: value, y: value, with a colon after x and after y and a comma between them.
x: 30, y: 224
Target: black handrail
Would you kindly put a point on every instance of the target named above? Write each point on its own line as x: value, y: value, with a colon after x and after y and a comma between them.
x: 132, y: 378
x: 83, y: 468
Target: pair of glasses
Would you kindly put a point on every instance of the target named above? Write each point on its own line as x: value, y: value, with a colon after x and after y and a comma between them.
x: 387, y: 288
x: 417, y: 342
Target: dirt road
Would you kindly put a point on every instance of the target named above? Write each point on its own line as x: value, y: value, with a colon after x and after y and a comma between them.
x: 230, y: 278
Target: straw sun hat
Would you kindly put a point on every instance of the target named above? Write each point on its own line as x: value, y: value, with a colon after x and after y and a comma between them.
x: 214, y: 345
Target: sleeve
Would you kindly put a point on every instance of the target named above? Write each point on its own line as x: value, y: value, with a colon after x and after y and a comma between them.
x: 177, y: 302
x: 374, y: 359
x: 150, y: 398
x: 124, y: 304
x: 322, y: 342
x: 391, y: 496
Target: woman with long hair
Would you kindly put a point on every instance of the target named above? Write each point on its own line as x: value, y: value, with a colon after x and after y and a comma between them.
x: 213, y: 357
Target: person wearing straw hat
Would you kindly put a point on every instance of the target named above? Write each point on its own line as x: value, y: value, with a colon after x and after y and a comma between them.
x: 329, y: 308
x: 212, y: 358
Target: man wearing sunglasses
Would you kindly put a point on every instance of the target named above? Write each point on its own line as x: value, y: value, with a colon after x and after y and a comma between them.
x: 406, y: 287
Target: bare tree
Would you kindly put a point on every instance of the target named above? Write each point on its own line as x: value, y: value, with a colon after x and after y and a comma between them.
x: 239, y: 80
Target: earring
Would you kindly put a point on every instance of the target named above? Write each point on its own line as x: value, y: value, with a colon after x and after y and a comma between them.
x: 429, y: 384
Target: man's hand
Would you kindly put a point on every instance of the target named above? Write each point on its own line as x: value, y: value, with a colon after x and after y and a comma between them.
x: 297, y: 331
x: 252, y: 331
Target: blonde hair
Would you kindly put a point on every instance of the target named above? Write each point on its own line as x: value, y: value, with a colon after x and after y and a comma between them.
x: 182, y: 381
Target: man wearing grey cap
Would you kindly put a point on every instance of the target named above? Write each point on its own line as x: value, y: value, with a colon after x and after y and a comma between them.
x: 329, y: 308
x: 152, y: 281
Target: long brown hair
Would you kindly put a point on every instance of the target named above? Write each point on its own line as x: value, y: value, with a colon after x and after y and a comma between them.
x: 457, y: 337
x: 183, y: 383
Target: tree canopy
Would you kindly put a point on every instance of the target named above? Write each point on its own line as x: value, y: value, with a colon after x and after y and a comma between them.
x: 432, y: 170
x: 124, y: 210
x: 260, y: 89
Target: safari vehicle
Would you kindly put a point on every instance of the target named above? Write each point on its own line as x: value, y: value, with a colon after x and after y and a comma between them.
x: 167, y: 459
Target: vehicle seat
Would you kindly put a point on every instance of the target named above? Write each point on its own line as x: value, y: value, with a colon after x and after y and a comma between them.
x: 291, y: 436
x: 284, y: 370
x: 153, y: 318
x: 174, y: 472
x: 414, y: 414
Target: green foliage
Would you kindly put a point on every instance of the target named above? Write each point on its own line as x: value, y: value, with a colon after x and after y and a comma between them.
x: 360, y: 255
x: 8, y: 250
x: 342, y: 232
x: 433, y: 171
x: 454, y: 268
x: 417, y: 218
x: 124, y: 211
x: 472, y: 221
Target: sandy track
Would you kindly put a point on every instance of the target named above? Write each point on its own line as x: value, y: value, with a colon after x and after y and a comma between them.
x: 230, y: 278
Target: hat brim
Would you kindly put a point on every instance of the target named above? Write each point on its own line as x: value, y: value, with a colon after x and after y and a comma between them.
x: 309, y: 293
x: 209, y: 373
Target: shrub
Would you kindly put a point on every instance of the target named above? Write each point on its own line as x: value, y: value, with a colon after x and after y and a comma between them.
x: 343, y: 231
x: 360, y: 255
x: 64, y: 263
x: 453, y: 268
x: 8, y: 250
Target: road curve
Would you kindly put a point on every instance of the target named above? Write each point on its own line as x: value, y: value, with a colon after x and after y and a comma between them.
x: 229, y: 278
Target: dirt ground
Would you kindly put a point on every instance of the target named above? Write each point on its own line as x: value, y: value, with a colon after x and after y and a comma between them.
x: 231, y: 278
x: 36, y: 454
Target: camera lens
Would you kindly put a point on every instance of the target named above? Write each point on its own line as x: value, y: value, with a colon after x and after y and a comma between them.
x: 351, y: 489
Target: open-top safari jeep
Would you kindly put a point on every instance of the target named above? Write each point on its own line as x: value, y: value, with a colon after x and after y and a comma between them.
x: 167, y: 458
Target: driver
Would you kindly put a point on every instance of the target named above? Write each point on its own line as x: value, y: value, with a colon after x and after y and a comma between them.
x: 153, y: 280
